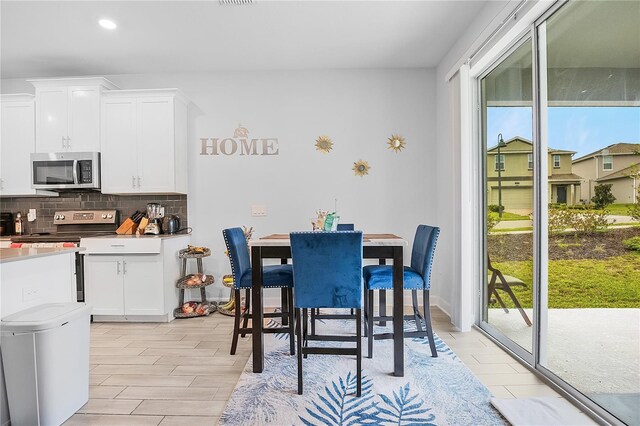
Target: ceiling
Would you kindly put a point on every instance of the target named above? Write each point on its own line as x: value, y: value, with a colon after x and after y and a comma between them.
x: 57, y: 38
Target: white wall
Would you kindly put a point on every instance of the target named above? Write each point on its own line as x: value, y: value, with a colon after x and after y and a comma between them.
x: 447, y: 271
x: 358, y: 109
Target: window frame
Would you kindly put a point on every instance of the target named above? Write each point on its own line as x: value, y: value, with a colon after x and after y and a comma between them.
x: 553, y: 159
x: 497, y: 161
x: 530, y: 161
x: 604, y: 162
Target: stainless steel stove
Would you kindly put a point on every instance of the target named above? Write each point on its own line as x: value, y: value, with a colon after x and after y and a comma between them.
x: 71, y: 226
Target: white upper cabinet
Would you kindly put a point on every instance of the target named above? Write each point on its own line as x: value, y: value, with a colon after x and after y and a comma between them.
x: 17, y: 142
x: 144, y: 141
x: 68, y: 113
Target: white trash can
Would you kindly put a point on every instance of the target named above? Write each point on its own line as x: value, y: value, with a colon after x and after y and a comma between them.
x: 45, y: 352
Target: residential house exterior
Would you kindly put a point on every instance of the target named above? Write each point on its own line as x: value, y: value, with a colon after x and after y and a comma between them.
x: 617, y: 164
x: 516, y: 176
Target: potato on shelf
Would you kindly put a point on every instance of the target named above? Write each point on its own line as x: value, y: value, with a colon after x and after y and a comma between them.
x: 195, y: 307
x: 196, y: 279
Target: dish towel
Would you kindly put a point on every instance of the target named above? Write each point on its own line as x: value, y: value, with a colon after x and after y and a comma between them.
x: 541, y: 411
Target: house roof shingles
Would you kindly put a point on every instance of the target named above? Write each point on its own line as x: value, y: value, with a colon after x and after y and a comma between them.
x: 528, y: 142
x: 626, y: 172
x: 565, y: 177
x: 616, y: 148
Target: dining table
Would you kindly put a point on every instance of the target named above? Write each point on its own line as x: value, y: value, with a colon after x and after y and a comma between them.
x: 374, y: 246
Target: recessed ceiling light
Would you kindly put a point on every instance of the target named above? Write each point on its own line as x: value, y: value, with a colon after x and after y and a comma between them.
x: 108, y: 24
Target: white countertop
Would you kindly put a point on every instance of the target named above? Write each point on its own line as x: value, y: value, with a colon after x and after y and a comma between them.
x: 15, y: 254
x: 142, y: 237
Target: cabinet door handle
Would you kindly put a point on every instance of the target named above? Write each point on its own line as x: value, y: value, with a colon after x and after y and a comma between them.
x: 124, y: 267
x: 118, y: 268
x: 138, y: 181
x: 117, y: 245
x: 133, y: 181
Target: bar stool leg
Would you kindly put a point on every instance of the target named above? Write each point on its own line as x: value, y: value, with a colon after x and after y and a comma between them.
x: 291, y: 321
x: 236, y: 322
x: 370, y: 323
x: 299, y: 341
x: 416, y: 310
x: 427, y: 321
x: 245, y: 322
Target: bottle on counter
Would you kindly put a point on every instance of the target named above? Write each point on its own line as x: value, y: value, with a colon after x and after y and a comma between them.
x: 19, y: 225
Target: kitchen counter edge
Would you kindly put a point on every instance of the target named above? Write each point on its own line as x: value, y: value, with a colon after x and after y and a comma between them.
x: 16, y: 254
x: 142, y: 237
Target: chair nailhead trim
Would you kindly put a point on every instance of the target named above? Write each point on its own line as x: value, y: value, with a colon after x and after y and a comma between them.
x: 433, y: 253
x: 233, y: 271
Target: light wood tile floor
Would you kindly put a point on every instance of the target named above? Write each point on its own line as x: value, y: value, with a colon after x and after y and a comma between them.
x: 181, y: 373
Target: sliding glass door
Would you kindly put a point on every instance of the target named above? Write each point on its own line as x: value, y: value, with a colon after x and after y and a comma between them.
x: 590, y: 55
x: 560, y: 133
x: 507, y: 123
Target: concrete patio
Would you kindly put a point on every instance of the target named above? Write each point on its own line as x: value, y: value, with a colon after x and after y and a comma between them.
x: 594, y: 350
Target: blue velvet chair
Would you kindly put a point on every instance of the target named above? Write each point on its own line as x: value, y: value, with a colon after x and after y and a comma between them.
x: 315, y: 313
x: 345, y: 227
x: 327, y: 273
x: 416, y: 277
x: 273, y: 276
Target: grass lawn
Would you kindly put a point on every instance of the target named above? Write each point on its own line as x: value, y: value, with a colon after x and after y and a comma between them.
x: 587, y: 283
x: 526, y: 228
x: 630, y: 224
x: 508, y: 216
x: 617, y: 209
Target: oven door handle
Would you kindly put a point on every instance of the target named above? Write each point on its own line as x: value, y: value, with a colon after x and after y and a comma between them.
x: 75, y: 172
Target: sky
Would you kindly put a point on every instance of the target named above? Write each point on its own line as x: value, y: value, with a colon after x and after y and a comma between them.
x: 581, y: 129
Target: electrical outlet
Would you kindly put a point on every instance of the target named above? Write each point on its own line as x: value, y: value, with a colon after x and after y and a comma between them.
x: 31, y: 215
x: 258, y: 210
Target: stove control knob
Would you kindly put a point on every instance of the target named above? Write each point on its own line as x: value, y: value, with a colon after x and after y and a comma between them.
x: 104, y: 216
x: 109, y: 216
x: 61, y: 217
x: 57, y: 217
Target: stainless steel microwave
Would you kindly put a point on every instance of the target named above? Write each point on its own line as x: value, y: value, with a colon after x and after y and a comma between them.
x: 65, y: 170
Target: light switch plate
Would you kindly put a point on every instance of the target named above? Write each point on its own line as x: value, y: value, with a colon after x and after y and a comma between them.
x: 258, y: 210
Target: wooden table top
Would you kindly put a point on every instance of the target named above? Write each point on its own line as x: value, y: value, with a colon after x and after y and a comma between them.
x: 367, y: 240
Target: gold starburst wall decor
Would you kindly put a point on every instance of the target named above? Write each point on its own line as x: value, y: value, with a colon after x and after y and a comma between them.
x: 396, y: 143
x: 361, y: 168
x: 324, y: 144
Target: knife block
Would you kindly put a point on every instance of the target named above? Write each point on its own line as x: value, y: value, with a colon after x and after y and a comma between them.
x: 128, y: 227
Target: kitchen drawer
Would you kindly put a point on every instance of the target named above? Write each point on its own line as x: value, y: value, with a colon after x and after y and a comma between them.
x: 120, y: 245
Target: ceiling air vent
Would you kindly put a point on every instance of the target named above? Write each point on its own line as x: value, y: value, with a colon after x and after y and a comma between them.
x: 236, y: 2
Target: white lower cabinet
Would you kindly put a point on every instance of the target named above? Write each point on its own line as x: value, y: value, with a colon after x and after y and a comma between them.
x: 132, y: 278
x: 142, y: 277
x: 125, y: 285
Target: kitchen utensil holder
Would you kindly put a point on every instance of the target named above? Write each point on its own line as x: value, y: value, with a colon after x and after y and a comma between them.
x: 186, y: 254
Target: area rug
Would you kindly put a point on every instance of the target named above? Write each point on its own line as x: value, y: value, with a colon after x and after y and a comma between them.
x: 433, y: 391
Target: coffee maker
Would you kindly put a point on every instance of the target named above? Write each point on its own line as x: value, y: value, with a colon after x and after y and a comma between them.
x: 155, y: 212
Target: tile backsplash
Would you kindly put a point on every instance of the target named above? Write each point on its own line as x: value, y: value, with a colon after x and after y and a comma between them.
x: 125, y: 204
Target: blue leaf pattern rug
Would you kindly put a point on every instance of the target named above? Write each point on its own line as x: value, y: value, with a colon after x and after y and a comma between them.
x: 433, y: 391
